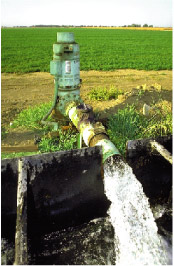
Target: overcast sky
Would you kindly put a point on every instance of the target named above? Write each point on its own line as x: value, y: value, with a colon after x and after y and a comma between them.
x: 86, y: 12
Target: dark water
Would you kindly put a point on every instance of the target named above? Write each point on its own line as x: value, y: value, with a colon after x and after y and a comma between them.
x: 88, y: 244
x: 7, y: 252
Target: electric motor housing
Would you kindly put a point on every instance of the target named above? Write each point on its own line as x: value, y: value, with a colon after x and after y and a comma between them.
x: 65, y: 65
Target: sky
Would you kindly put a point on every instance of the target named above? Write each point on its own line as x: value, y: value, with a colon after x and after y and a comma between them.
x: 86, y: 12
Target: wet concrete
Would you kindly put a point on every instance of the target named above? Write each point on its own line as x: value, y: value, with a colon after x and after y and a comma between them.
x: 152, y: 170
x: 155, y: 174
x: 64, y: 189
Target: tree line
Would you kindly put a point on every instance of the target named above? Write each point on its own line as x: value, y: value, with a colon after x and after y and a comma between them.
x: 79, y: 26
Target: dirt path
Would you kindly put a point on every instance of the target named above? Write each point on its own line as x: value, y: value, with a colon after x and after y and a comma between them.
x: 21, y: 91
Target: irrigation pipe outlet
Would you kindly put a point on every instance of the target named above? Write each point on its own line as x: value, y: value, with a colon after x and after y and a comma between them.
x: 65, y: 67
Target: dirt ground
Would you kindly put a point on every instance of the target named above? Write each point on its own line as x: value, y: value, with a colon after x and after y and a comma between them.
x: 20, y: 91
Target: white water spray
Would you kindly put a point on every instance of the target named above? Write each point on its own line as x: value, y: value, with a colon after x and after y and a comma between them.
x: 136, y: 238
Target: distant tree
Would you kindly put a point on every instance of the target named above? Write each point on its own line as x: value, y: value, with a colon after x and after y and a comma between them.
x: 135, y: 25
x: 145, y: 25
x: 151, y: 26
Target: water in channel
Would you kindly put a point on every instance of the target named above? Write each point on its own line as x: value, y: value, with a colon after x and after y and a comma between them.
x: 136, y: 238
x: 127, y: 235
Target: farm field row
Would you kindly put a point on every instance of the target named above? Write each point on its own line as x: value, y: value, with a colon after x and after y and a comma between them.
x: 30, y: 49
x: 132, y: 28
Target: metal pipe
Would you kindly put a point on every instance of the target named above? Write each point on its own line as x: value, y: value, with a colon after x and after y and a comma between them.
x: 93, y: 133
x: 65, y: 67
x: 54, y: 101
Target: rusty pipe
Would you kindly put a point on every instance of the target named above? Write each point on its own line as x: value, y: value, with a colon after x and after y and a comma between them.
x: 93, y: 133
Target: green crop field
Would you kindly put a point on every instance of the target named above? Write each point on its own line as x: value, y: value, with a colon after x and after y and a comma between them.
x: 30, y: 49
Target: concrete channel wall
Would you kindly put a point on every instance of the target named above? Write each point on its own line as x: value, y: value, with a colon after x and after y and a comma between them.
x: 63, y: 189
x: 58, y: 182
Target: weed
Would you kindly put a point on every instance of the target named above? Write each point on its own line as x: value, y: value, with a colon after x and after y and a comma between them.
x: 126, y: 125
x: 5, y: 155
x: 64, y: 141
x: 141, y: 92
x: 123, y: 126
x: 129, y: 124
x: 3, y: 133
x: 30, y: 118
x: 104, y: 94
x: 161, y: 126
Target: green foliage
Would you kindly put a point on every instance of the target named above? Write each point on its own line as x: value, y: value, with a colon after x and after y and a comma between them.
x: 4, y: 133
x: 129, y: 124
x: 104, y: 94
x: 30, y: 49
x: 126, y: 124
x: 5, y: 155
x: 141, y: 92
x: 161, y: 125
x: 30, y: 118
x: 65, y: 141
x: 123, y: 126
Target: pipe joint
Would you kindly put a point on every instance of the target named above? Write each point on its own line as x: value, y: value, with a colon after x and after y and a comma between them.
x: 85, y: 115
x: 99, y: 128
x: 67, y: 102
x: 97, y: 132
x: 92, y: 132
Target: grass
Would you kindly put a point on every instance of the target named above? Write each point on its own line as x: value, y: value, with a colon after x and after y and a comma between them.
x: 30, y: 49
x: 30, y: 118
x: 5, y: 155
x: 4, y: 132
x: 65, y: 141
x: 104, y: 94
x: 129, y: 124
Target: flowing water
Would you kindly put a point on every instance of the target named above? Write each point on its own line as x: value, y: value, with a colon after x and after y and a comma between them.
x: 136, y: 238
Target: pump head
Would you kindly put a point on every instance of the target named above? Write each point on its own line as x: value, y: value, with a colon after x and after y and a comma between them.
x: 65, y: 67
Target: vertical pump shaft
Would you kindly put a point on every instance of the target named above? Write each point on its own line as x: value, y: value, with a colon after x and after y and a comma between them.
x: 65, y: 67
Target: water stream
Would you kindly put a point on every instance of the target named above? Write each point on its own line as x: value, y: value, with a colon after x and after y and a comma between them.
x: 136, y: 238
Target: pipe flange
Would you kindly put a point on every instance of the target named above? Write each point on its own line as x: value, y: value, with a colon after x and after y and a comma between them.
x: 85, y: 114
x: 99, y: 128
x: 67, y: 102
x: 84, y: 108
x: 99, y: 132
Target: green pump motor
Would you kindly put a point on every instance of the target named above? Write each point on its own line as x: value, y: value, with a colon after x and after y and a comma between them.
x: 65, y: 67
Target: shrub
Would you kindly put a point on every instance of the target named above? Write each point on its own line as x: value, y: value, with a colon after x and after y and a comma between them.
x: 104, y: 94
